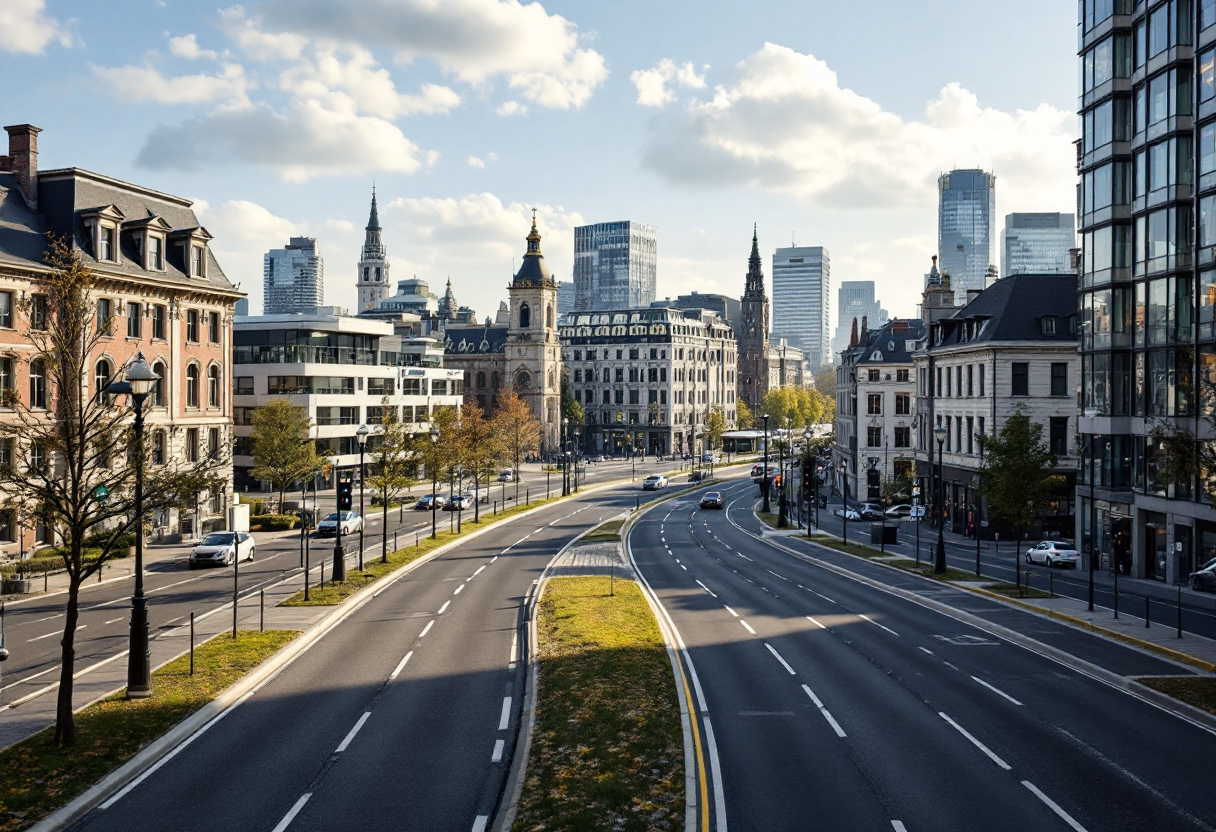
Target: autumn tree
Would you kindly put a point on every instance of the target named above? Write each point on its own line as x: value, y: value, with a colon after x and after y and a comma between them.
x: 517, y: 428
x: 743, y: 415
x: 71, y: 450
x: 282, y: 452
x: 481, y: 449
x: 825, y: 381
x: 394, y: 461
x: 715, y: 426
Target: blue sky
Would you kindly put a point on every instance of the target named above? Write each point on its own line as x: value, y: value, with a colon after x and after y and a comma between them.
x: 824, y: 122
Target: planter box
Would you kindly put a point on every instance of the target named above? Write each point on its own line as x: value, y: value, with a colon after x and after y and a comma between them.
x: 17, y: 586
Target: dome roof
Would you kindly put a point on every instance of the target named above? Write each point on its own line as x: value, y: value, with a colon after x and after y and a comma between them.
x: 533, y: 270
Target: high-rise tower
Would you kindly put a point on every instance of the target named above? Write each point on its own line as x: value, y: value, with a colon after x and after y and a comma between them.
x: 615, y: 265
x: 966, y: 214
x: 373, y: 264
x: 752, y: 333
x: 802, y: 289
x: 293, y: 277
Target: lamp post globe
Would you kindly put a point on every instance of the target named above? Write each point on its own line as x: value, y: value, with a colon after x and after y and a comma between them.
x: 939, y: 556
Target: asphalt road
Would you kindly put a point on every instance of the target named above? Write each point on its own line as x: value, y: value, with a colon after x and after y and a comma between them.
x: 835, y: 705
x: 401, y: 717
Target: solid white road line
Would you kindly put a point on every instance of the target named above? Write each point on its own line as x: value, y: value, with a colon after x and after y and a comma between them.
x: 745, y: 557
x: 876, y: 624
x: 291, y: 815
x: 732, y: 612
x: 505, y: 719
x: 976, y: 742
x: 444, y: 608
x: 400, y: 666
x: 816, y: 623
x: 353, y: 731
x: 496, y: 756
x: 1055, y: 807
x: 782, y: 577
x: 831, y: 720
x: 777, y: 656
x: 716, y: 772
x: 479, y: 825
x: 427, y: 628
x: 997, y: 691
x: 707, y: 589
x: 457, y: 592
x: 747, y: 626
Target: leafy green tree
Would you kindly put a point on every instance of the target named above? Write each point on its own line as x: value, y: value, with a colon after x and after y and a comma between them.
x: 573, y: 411
x: 1019, y: 474
x: 73, y: 454
x: 825, y: 381
x: 394, y: 461
x: 715, y: 426
x: 743, y: 416
x: 282, y: 452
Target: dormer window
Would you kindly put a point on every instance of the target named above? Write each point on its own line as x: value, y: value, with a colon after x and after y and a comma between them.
x: 1049, y: 324
x: 155, y: 257
x: 196, y: 261
x: 189, y: 248
x: 103, y: 225
x: 105, y: 242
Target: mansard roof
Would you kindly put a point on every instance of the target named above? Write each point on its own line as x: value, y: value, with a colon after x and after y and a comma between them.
x: 1014, y: 309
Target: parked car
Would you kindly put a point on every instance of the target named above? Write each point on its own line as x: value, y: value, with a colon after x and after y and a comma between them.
x: 871, y: 511
x: 1054, y: 553
x: 712, y: 499
x: 1205, y: 577
x: 905, y: 510
x: 847, y: 513
x: 596, y: 458
x: 654, y: 482
x: 350, y: 522
x: 222, y: 549
x: 428, y: 502
x: 458, y: 502
x: 506, y: 476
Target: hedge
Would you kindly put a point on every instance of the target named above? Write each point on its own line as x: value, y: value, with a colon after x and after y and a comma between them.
x: 276, y: 522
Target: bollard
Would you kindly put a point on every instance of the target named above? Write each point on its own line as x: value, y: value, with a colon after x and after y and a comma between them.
x: 395, y: 539
x: 1179, y: 611
x: 192, y: 642
x: 636, y: 502
x: 261, y: 610
x: 321, y: 583
x: 528, y: 496
x: 496, y: 506
x: 99, y: 568
x: 1147, y: 602
x: 45, y: 579
x: 1051, y: 584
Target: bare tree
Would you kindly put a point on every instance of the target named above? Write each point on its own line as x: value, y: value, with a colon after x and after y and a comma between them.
x: 72, y: 453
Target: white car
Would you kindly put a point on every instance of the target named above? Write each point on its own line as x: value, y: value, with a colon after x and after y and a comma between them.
x: 506, y: 476
x: 351, y: 522
x: 222, y: 549
x: 654, y: 482
x: 1054, y: 553
x: 847, y: 513
x: 905, y: 510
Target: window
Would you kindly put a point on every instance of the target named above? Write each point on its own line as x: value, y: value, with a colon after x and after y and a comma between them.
x: 903, y: 437
x: 970, y: 379
x: 213, y: 327
x: 192, y: 386
x: 1049, y: 324
x: 1207, y: 13
x: 158, y: 323
x: 872, y: 375
x: 38, y: 312
x: 958, y: 381
x: 213, y: 386
x: 105, y: 243
x: 1059, y: 378
x: 156, y: 253
x: 192, y: 444
x: 158, y: 389
x: 104, y: 312
x: 213, y: 443
x: 981, y: 380
x: 6, y: 381
x: 387, y: 386
x: 902, y: 375
x: 196, y: 261
x: 6, y: 310
x: 525, y: 316
x: 133, y: 319
x: 1058, y: 435
x: 38, y: 383
x: 1020, y: 374
x: 903, y: 404
x: 158, y: 447
x: 874, y: 404
x: 192, y: 326
x: 101, y: 379
x: 874, y: 437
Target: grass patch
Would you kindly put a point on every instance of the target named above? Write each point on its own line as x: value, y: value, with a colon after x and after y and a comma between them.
x: 1012, y: 591
x: 373, y: 570
x: 926, y: 569
x: 609, y: 532
x: 1197, y: 691
x: 38, y: 777
x: 851, y: 548
x: 608, y: 750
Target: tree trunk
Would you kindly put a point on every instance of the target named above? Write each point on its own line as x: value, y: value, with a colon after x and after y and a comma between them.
x: 476, y: 500
x: 1017, y: 557
x: 65, y: 719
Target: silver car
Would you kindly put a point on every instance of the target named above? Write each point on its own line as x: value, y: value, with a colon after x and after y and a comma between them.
x: 1054, y: 553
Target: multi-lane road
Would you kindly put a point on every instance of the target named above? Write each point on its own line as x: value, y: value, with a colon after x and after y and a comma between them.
x: 829, y: 702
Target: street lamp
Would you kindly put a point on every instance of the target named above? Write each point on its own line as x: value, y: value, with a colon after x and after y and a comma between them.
x: 577, y: 454
x: 783, y: 512
x: 844, y: 515
x: 766, y: 508
x: 432, y: 464
x: 361, y: 435
x: 939, y: 557
x: 1090, y: 413
x: 809, y: 467
x: 138, y: 384
x: 979, y: 503
x: 565, y: 457
x: 339, y: 570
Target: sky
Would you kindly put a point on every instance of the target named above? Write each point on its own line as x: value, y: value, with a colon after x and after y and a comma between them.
x: 824, y: 123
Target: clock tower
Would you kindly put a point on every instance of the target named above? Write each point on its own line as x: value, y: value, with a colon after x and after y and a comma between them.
x: 752, y: 333
x: 373, y: 263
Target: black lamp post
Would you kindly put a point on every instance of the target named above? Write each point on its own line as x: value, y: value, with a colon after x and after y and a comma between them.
x: 138, y: 384
x: 1090, y: 413
x: 339, y: 570
x: 809, y: 468
x: 844, y: 514
x: 783, y: 511
x: 766, y: 507
x: 577, y: 454
x: 979, y: 437
x: 431, y: 471
x: 361, y: 435
x: 939, y: 557
x: 565, y: 456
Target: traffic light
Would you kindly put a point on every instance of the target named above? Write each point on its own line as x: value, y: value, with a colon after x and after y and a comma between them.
x: 345, y: 499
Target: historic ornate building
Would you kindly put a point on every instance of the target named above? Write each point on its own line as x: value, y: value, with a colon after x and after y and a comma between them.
x: 752, y: 334
x: 373, y: 263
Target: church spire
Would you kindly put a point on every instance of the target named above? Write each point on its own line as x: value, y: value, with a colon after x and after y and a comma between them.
x: 755, y: 277
x: 373, y: 242
x: 374, y: 220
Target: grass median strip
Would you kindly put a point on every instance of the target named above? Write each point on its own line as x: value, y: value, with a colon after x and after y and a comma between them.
x: 609, y: 532
x: 37, y: 777
x: 607, y: 752
x: 1200, y: 692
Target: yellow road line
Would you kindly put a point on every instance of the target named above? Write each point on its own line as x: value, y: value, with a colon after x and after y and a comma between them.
x: 696, y: 741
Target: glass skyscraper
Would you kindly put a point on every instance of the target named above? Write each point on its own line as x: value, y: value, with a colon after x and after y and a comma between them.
x: 802, y: 301
x: 965, y: 217
x: 856, y: 301
x: 1037, y: 244
x: 293, y: 277
x: 615, y: 265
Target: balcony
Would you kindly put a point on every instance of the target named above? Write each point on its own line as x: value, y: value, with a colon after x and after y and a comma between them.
x: 304, y: 354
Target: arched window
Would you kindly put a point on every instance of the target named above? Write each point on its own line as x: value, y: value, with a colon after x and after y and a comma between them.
x: 549, y: 316
x: 481, y: 381
x: 550, y: 377
x: 192, y: 386
x: 213, y: 386
x: 494, y: 380
x: 525, y: 316
x: 158, y: 389
x: 102, y: 378
x: 523, y: 381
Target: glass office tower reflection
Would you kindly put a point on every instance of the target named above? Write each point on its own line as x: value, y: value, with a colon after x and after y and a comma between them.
x: 1037, y: 244
x: 965, y: 242
x: 615, y: 265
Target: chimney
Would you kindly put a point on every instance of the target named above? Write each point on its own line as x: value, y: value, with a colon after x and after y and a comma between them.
x: 23, y: 159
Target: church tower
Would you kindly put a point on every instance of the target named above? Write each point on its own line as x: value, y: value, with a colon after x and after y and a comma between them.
x: 533, y: 350
x: 752, y: 334
x: 373, y: 264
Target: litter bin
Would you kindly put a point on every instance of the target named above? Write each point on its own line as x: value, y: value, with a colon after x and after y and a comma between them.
x: 880, y: 534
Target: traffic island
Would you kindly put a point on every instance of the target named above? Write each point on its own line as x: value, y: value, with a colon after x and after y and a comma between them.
x: 36, y: 777
x: 1193, y: 690
x: 607, y: 748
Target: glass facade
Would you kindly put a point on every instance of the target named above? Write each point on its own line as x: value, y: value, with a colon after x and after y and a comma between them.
x: 802, y: 301
x: 615, y: 265
x: 1037, y: 244
x: 293, y: 278
x: 965, y: 242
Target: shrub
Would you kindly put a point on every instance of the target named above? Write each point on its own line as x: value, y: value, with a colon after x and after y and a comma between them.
x: 257, y: 506
x: 277, y: 522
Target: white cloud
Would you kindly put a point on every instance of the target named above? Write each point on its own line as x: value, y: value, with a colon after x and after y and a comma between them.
x: 243, y: 232
x: 652, y: 83
x: 187, y: 47
x: 511, y: 108
x: 785, y: 124
x: 473, y: 40
x: 366, y: 85
x: 474, y: 162
x: 432, y: 158
x: 301, y: 142
x: 257, y: 44
x: 144, y: 83
x: 25, y: 27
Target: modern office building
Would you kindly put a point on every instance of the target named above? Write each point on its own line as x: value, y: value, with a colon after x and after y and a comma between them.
x: 1147, y: 160
x: 802, y: 301
x: 293, y: 277
x: 855, y: 301
x: 1038, y: 244
x: 615, y: 265
x: 965, y: 223
x: 565, y: 297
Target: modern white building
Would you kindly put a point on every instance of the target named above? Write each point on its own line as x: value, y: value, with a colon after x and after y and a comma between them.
x: 802, y: 301
x: 293, y: 277
x: 615, y: 265
x: 1038, y: 244
x: 341, y: 370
